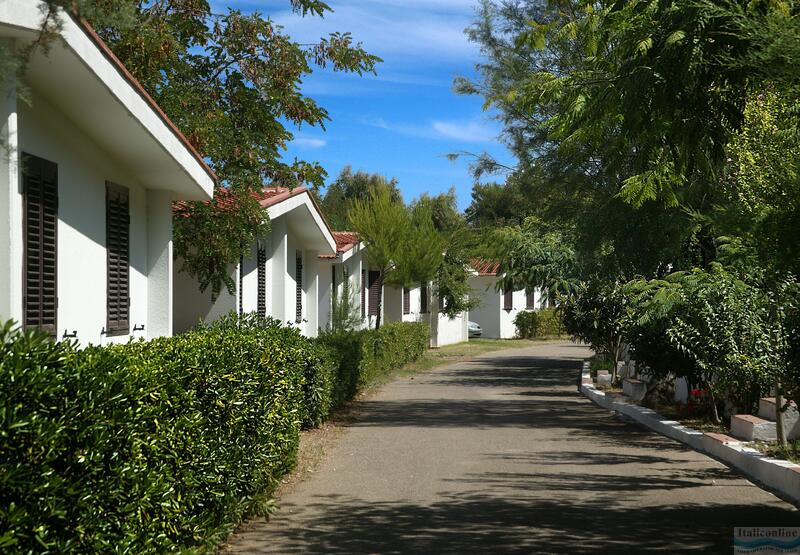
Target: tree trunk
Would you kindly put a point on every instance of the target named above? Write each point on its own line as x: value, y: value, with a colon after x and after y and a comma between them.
x: 714, y: 410
x: 780, y: 431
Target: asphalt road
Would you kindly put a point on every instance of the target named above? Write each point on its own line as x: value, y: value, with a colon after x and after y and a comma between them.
x: 502, y: 455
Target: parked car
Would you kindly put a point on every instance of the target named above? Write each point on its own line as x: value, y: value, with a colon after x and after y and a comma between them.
x: 474, y: 330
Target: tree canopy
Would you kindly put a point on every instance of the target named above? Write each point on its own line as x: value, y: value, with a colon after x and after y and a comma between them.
x: 350, y: 187
x: 231, y: 82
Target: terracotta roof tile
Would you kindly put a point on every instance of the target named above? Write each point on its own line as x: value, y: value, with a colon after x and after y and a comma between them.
x: 345, y: 241
x: 486, y: 267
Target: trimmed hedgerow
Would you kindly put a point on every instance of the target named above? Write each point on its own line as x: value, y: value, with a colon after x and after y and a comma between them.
x: 166, y: 445
x: 147, y: 447
x: 538, y: 323
x: 365, y: 356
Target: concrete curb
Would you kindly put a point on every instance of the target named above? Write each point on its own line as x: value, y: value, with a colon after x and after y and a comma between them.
x: 779, y: 476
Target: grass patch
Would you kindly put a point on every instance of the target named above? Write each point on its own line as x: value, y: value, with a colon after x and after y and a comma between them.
x: 789, y: 452
x: 699, y: 422
x: 458, y: 352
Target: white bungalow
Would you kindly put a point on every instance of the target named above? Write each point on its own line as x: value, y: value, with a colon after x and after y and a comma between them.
x: 349, y: 263
x: 419, y: 304
x: 88, y: 171
x: 280, y: 278
x: 496, y: 307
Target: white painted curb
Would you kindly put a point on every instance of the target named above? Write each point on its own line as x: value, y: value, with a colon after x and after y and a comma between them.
x: 782, y: 477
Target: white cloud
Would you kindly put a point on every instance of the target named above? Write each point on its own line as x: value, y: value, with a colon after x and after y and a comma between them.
x: 425, y: 32
x: 309, y: 142
x: 470, y: 132
x: 473, y: 131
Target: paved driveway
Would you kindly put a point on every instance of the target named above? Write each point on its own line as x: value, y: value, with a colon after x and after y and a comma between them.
x: 502, y: 455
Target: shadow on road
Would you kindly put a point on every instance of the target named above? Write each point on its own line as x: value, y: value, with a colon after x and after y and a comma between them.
x: 498, y: 524
x: 612, y: 488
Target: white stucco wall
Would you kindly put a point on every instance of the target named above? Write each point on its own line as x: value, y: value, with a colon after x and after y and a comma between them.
x: 190, y: 306
x: 490, y: 314
x: 83, y: 169
x: 282, y: 247
x: 10, y: 204
x: 487, y: 311
x: 414, y: 314
x: 445, y: 330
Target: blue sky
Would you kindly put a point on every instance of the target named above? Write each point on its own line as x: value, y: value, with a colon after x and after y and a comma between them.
x: 402, y: 122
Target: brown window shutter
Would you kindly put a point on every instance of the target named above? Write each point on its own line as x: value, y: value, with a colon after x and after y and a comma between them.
x: 530, y: 299
x: 117, y: 260
x: 363, y: 293
x: 241, y: 283
x: 423, y: 298
x: 406, y: 300
x: 298, y: 289
x: 375, y: 287
x: 261, y: 259
x: 40, y: 230
x: 333, y: 281
x: 508, y: 299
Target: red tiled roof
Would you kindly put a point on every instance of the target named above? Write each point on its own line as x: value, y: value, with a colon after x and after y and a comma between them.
x: 345, y: 240
x: 266, y: 197
x: 225, y: 200
x: 486, y: 267
x: 104, y: 48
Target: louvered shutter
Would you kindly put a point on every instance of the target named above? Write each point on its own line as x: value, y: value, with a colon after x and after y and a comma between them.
x: 423, y: 298
x: 406, y: 300
x: 40, y: 227
x: 261, y: 259
x: 508, y: 299
x: 241, y: 283
x: 363, y: 293
x: 117, y: 260
x: 530, y: 299
x: 374, y: 291
x: 298, y: 290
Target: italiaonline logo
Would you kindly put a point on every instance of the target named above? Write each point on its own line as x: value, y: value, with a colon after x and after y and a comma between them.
x: 766, y: 540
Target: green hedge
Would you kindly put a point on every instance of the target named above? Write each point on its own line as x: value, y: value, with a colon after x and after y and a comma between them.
x: 366, y: 356
x: 538, y: 323
x: 147, y: 447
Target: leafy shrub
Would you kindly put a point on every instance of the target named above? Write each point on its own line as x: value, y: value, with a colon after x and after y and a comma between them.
x: 596, y: 312
x: 346, y: 348
x: 389, y: 347
x: 538, y: 323
x: 365, y: 356
x: 711, y: 328
x: 147, y: 447
x: 318, y: 389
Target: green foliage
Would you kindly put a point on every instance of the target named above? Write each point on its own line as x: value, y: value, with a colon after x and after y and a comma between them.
x: 368, y: 355
x: 533, y: 256
x: 148, y: 447
x: 320, y: 373
x: 391, y: 347
x: 538, y: 323
x: 211, y: 236
x: 451, y: 279
x: 710, y: 327
x: 596, y: 312
x: 349, y: 187
x: 231, y: 82
x: 402, y: 244
x: 345, y: 312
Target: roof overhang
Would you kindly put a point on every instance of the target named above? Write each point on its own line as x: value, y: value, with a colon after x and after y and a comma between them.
x: 83, y: 79
x: 306, y: 222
